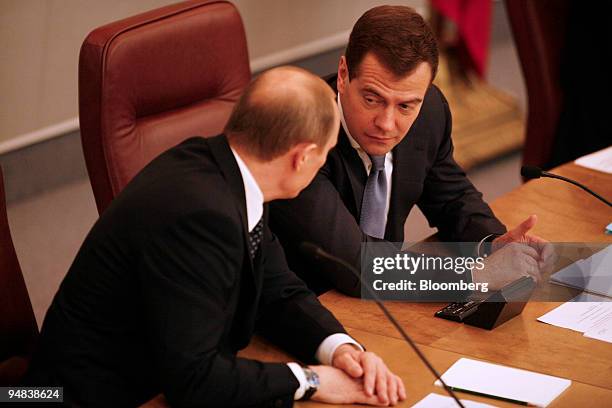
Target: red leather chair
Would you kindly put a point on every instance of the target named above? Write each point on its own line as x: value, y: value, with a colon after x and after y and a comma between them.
x: 152, y: 80
x: 539, y: 29
x: 18, y: 329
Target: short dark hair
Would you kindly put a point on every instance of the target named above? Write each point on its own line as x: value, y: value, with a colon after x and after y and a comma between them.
x: 268, y: 126
x: 397, y: 35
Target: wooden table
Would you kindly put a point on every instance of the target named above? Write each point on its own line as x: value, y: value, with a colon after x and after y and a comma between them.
x: 566, y: 214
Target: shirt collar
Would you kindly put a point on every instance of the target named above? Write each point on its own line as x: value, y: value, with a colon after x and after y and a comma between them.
x: 252, y: 192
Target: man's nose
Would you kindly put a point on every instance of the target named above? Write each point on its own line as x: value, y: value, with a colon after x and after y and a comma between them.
x: 385, y: 120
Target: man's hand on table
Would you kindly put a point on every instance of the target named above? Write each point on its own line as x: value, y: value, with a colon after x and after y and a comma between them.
x: 337, y: 387
x: 520, y: 234
x: 507, y: 265
x: 516, y: 254
x: 365, y: 377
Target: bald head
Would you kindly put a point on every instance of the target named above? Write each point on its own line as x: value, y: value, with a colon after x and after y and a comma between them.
x: 282, y: 107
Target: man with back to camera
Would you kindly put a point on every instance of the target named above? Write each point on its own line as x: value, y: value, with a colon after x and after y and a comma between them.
x: 394, y: 151
x: 180, y: 270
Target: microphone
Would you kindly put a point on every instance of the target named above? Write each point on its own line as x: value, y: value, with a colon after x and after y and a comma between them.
x: 533, y: 172
x: 314, y: 251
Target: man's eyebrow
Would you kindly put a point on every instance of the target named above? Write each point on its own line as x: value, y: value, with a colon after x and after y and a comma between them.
x: 413, y: 100
x: 371, y: 90
x: 368, y: 89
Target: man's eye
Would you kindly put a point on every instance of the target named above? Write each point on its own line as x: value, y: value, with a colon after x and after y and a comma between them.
x: 370, y: 100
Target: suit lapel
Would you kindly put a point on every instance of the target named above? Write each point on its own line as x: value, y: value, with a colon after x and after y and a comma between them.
x: 408, y: 161
x: 226, y: 162
x: 354, y: 169
x: 400, y: 168
x: 252, y: 277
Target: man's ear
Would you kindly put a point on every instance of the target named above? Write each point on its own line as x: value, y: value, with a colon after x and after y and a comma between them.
x: 342, y: 80
x: 301, y: 154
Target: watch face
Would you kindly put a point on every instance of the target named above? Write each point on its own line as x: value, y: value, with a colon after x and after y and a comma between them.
x: 312, y: 378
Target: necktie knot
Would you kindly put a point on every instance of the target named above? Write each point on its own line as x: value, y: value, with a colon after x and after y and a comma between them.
x: 378, y: 162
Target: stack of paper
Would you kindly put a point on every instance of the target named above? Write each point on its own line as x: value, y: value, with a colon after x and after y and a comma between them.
x: 505, y: 383
x: 588, y: 314
x: 600, y: 161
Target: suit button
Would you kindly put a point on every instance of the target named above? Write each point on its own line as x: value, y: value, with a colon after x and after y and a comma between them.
x: 278, y: 403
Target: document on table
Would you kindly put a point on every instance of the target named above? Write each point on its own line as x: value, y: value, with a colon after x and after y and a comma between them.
x: 588, y: 314
x: 600, y: 160
x: 593, y: 274
x: 497, y: 381
x: 442, y: 401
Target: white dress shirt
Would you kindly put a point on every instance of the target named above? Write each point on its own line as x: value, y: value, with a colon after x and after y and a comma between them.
x: 254, y: 204
x: 367, y: 162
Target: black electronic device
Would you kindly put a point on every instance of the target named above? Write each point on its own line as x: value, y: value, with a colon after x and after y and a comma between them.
x: 457, y: 311
x: 499, y: 307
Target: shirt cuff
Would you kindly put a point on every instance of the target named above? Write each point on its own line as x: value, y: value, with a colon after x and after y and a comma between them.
x: 327, y: 348
x: 301, y: 377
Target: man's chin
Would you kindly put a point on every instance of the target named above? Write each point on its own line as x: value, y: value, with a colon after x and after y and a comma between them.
x: 293, y: 194
x: 378, y: 148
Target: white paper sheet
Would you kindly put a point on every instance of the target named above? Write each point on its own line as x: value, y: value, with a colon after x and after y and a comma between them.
x: 505, y: 382
x: 592, y: 317
x: 600, y: 160
x: 442, y: 401
x: 579, y: 316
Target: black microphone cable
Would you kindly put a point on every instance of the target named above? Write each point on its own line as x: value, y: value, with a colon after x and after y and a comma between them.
x: 533, y: 172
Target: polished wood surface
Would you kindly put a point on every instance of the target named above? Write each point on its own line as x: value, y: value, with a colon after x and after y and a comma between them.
x: 521, y: 342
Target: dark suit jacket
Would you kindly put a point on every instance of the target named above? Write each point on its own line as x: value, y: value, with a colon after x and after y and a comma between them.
x: 163, y: 293
x: 424, y: 173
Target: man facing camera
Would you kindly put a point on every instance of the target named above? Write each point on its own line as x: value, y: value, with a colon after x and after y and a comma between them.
x: 394, y: 151
x: 181, y: 269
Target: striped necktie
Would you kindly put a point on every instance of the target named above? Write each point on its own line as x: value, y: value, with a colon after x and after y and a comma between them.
x: 372, y: 219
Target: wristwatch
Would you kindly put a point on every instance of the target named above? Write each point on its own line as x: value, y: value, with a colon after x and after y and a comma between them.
x: 312, y: 379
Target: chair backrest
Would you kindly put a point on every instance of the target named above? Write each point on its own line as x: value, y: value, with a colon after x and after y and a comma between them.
x: 150, y: 81
x: 18, y: 329
x: 539, y: 29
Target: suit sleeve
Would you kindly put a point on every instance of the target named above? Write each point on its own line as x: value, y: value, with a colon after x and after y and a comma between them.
x: 291, y: 315
x: 188, y: 272
x: 450, y: 201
